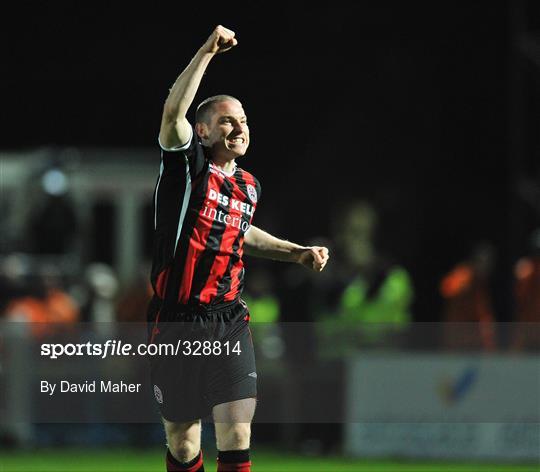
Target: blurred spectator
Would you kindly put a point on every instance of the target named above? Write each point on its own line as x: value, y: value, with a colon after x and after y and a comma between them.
x: 259, y: 296
x: 379, y: 289
x: 264, y: 312
x: 362, y: 297
x: 31, y: 309
x: 132, y: 303
x: 370, y: 294
x: 41, y: 299
x: 526, y: 335
x: 467, y: 309
x: 14, y: 270
x: 101, y: 287
x: 53, y: 224
x: 61, y: 306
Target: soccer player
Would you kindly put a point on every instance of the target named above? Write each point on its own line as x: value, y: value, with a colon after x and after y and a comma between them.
x: 204, y: 205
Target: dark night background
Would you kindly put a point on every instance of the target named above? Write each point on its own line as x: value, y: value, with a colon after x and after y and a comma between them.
x: 430, y: 112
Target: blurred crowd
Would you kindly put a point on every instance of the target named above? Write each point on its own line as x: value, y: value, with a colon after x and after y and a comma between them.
x: 468, y: 294
x: 38, y: 292
x: 365, y: 295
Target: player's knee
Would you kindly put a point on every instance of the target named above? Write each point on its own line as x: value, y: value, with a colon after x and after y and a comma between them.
x: 183, y: 449
x: 183, y: 440
x: 234, y: 436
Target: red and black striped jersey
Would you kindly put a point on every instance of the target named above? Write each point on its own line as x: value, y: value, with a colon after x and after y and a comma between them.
x: 201, y: 215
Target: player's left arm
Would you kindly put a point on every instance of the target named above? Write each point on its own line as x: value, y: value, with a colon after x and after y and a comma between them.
x: 259, y: 243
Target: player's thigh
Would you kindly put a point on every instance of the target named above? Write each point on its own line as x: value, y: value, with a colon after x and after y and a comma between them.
x: 183, y: 435
x: 237, y: 411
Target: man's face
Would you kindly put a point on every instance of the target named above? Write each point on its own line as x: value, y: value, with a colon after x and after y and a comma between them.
x: 227, y: 132
x: 357, y: 234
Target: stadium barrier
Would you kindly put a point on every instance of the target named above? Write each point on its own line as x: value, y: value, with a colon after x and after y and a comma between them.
x: 459, y: 406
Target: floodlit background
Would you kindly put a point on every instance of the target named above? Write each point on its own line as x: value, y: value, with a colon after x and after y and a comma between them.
x: 402, y: 136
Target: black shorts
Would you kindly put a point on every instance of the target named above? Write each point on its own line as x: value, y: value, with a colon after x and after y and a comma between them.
x: 206, y: 359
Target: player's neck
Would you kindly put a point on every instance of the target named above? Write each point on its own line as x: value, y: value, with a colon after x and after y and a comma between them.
x: 226, y: 165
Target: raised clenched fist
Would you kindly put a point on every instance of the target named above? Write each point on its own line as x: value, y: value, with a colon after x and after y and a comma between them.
x: 221, y: 40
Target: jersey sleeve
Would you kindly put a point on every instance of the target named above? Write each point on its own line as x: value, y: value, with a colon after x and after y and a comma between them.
x: 191, y: 153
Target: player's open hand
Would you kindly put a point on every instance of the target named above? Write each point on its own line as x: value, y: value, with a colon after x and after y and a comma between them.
x: 314, y: 257
x: 221, y: 40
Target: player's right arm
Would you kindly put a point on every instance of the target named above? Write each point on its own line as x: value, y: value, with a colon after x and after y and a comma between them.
x: 175, y: 129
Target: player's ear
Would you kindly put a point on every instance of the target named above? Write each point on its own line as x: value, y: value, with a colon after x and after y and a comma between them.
x: 202, y: 130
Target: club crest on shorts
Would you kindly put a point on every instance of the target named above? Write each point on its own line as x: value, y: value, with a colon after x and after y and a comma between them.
x: 252, y: 193
x: 158, y: 394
